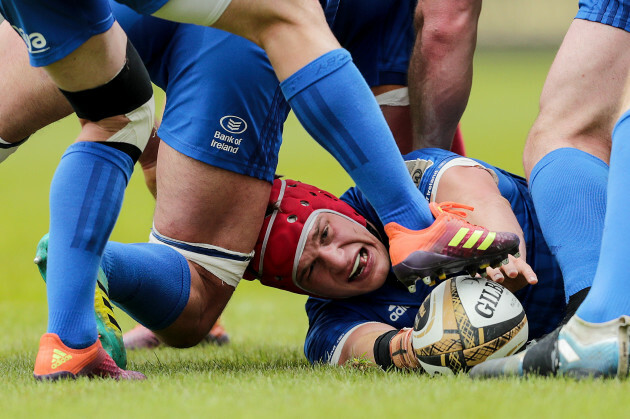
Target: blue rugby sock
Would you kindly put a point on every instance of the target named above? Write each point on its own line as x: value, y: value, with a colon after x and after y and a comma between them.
x: 568, y: 188
x: 609, y: 297
x: 150, y: 282
x: 335, y: 105
x: 86, y: 194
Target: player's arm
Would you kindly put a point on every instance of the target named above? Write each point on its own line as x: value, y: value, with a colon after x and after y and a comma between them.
x: 475, y: 186
x: 441, y: 68
x: 381, y: 344
x: 394, y: 103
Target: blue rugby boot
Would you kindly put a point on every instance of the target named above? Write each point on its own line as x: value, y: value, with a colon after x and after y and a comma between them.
x: 109, y: 332
x: 578, y: 349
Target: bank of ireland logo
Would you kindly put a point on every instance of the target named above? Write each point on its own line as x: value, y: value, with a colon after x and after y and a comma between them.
x: 35, y: 42
x: 233, y: 124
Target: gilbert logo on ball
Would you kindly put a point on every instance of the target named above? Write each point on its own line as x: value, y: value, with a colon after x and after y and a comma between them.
x: 465, y: 321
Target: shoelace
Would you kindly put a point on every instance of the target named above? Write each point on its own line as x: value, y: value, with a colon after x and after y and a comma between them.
x: 454, y: 208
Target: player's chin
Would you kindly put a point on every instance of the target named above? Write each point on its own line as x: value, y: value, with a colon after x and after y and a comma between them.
x: 372, y: 279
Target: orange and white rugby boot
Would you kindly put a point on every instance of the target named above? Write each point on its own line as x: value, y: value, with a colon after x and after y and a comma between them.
x: 448, y: 247
x: 56, y: 361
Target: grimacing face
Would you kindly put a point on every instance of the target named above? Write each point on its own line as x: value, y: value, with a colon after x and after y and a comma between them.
x: 341, y: 259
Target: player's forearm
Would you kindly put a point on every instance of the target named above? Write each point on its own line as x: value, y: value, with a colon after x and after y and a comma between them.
x: 475, y: 187
x: 380, y: 344
x: 495, y: 213
x: 360, y: 343
x: 440, y: 70
x: 438, y: 101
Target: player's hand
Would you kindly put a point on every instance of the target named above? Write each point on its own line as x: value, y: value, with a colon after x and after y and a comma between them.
x: 515, y: 275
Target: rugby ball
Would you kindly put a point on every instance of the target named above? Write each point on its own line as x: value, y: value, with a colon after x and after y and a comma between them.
x: 465, y: 321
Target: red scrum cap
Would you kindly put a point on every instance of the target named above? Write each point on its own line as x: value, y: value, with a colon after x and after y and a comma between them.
x: 284, y: 231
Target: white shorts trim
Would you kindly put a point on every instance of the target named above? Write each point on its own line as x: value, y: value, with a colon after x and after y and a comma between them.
x: 199, y: 12
x: 227, y: 265
x: 397, y: 97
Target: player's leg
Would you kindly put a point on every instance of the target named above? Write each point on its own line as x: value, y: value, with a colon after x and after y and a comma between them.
x: 88, y: 58
x: 30, y: 100
x: 218, y: 156
x: 568, y: 147
x: 296, y: 37
x: 97, y: 168
x: 595, y: 340
x: 608, y: 298
x: 380, y: 36
x: 199, y: 204
x: 441, y: 68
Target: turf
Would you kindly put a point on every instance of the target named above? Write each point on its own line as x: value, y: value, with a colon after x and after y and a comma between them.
x: 263, y: 373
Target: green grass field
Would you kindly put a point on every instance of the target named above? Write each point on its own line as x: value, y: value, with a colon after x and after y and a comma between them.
x: 263, y: 372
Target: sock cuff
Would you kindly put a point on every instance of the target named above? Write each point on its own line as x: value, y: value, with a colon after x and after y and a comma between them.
x: 568, y: 153
x: 118, y: 158
x: 314, y: 71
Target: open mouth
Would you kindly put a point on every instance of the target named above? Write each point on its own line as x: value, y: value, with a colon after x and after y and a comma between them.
x: 360, y: 263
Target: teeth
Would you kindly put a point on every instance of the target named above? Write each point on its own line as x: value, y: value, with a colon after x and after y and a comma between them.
x: 361, y: 260
x: 356, y: 265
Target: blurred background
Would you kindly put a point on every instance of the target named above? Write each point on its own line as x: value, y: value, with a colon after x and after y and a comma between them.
x: 530, y: 24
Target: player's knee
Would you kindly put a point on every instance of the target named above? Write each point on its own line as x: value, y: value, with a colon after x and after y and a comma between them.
x: 187, y: 337
x: 129, y: 93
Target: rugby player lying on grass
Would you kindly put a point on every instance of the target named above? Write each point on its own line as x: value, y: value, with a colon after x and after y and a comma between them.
x: 333, y: 250
x: 231, y: 184
x: 332, y: 255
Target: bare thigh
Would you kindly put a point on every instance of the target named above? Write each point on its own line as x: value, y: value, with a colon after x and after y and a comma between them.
x: 200, y: 203
x: 582, y: 96
x: 30, y: 100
